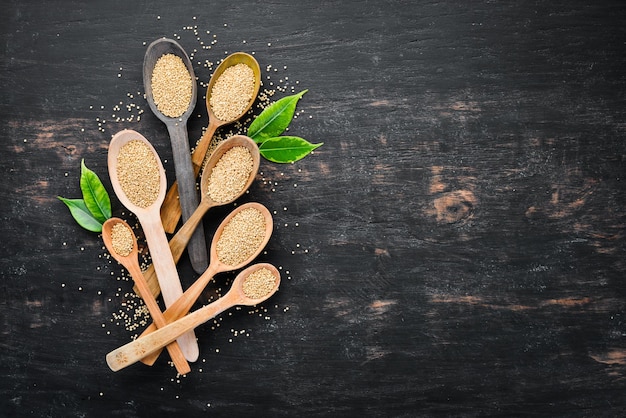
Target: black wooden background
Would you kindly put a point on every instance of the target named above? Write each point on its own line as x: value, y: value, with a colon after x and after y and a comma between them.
x: 455, y: 248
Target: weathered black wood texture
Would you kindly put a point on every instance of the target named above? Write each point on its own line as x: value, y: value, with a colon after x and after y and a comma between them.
x: 456, y: 247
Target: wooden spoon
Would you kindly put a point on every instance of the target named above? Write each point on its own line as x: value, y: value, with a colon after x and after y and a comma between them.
x: 180, y: 240
x: 177, y: 128
x: 183, y: 305
x: 171, y: 211
x: 133, y: 351
x: 131, y: 263
x: 153, y: 229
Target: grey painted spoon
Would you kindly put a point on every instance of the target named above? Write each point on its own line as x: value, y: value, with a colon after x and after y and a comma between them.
x: 177, y: 128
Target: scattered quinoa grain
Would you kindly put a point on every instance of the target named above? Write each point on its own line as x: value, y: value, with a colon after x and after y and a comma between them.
x: 259, y: 283
x: 230, y: 174
x: 241, y: 237
x: 138, y: 173
x: 171, y: 85
x: 232, y: 92
x: 122, y: 239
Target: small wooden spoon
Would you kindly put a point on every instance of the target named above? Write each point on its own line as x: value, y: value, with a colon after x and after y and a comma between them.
x: 177, y: 128
x: 182, y: 306
x: 153, y: 229
x: 180, y: 240
x: 134, y: 351
x: 131, y: 263
x: 171, y: 211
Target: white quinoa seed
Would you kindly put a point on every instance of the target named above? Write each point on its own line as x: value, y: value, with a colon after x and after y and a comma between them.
x: 138, y: 173
x: 232, y: 92
x: 171, y: 85
x: 230, y: 174
x: 122, y: 239
x: 259, y: 283
x: 241, y: 237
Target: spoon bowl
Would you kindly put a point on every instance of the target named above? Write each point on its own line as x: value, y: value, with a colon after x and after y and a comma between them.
x: 177, y: 129
x: 216, y: 155
x: 183, y: 304
x: 131, y: 263
x: 238, y: 285
x: 171, y: 211
x: 150, y: 220
x: 229, y: 61
x: 129, y: 260
x: 117, y: 142
x: 133, y: 351
x: 156, y: 50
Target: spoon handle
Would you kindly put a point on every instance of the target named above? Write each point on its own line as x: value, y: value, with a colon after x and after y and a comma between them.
x: 170, y: 209
x: 186, y: 234
x: 186, y: 178
x: 181, y: 307
x: 177, y: 245
x: 139, y: 348
x: 176, y: 354
x: 166, y: 273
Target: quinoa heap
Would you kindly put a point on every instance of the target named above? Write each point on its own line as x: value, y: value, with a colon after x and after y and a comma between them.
x: 241, y: 237
x: 171, y: 85
x: 232, y: 92
x: 138, y: 173
x: 122, y: 239
x: 259, y: 283
x: 230, y: 174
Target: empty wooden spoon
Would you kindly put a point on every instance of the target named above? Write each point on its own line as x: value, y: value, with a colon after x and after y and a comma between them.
x: 180, y: 240
x: 182, y: 306
x: 137, y: 177
x: 237, y: 295
x: 171, y: 210
x: 127, y: 257
x: 177, y: 128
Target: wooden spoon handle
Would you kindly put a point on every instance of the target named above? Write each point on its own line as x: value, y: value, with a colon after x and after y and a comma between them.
x: 170, y: 209
x: 167, y: 274
x: 135, y: 350
x: 181, y: 307
x: 173, y: 348
x: 187, y: 232
x: 177, y: 245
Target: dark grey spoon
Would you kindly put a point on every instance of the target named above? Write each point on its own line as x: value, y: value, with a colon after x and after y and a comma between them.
x: 177, y: 128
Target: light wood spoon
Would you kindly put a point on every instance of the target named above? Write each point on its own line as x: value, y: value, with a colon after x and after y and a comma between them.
x: 171, y: 210
x: 153, y: 230
x: 134, y: 351
x: 180, y: 240
x: 177, y: 128
x: 184, y: 304
x: 131, y: 263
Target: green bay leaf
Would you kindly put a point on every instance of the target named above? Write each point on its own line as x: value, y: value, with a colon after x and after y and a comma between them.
x: 95, y: 196
x: 274, y: 119
x: 286, y: 149
x: 81, y: 214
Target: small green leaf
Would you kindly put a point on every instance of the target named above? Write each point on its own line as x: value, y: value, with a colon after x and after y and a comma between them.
x: 286, y: 149
x: 95, y: 195
x: 274, y: 119
x: 82, y: 215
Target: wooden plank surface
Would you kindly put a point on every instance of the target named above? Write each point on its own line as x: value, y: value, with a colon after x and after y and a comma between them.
x: 455, y: 248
